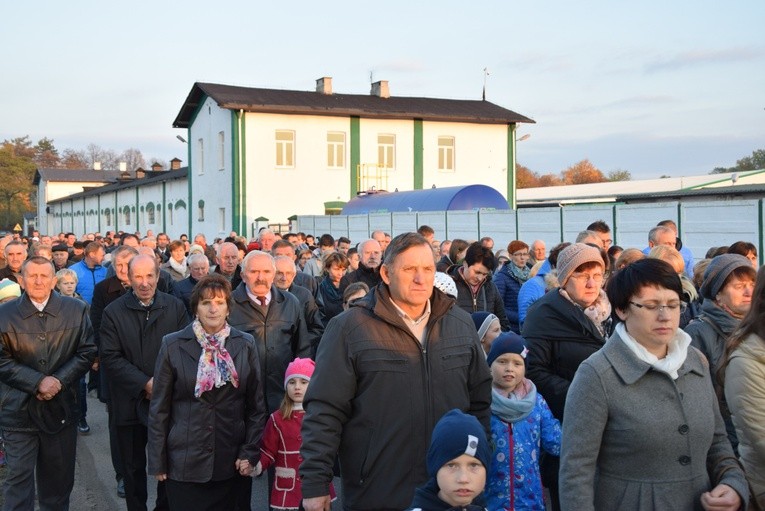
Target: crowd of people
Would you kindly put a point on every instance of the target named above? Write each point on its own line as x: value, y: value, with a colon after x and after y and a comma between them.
x: 424, y: 374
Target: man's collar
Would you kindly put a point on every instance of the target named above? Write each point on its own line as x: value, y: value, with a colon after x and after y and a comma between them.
x: 407, y: 317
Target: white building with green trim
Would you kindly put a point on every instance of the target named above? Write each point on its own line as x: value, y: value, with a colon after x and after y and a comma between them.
x: 270, y: 154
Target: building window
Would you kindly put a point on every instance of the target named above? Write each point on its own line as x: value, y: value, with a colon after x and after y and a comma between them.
x: 386, y: 151
x: 126, y: 212
x: 201, y: 156
x: 446, y: 154
x: 336, y: 150
x: 222, y: 219
x: 201, y: 205
x: 221, y: 150
x: 285, y: 148
x: 108, y: 217
x: 150, y: 213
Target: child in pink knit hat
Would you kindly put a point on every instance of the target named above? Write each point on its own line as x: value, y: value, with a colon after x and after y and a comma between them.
x: 281, y: 438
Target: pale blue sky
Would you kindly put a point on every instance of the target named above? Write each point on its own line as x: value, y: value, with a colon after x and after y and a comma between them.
x: 653, y: 87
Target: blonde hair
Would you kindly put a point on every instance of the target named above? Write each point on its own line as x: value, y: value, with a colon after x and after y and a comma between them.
x: 669, y: 255
x: 66, y: 272
x: 627, y: 257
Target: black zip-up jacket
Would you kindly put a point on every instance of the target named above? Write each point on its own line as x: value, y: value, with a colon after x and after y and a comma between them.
x: 377, y: 393
x: 280, y: 335
x: 487, y: 298
x: 559, y: 337
x: 130, y: 339
x: 55, y: 342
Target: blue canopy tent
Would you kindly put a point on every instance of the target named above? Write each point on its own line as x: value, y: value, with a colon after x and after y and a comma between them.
x: 452, y: 198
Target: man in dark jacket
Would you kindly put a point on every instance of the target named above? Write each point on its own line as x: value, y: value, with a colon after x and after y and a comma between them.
x: 46, y: 345
x: 284, y: 248
x: 285, y: 280
x: 370, y: 257
x: 105, y: 293
x: 15, y: 255
x: 386, y: 371
x: 228, y: 263
x: 132, y: 328
x: 475, y: 290
x: 199, y: 266
x: 274, y: 318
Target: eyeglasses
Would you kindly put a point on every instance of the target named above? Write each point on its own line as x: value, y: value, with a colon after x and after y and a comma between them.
x: 657, y: 308
x: 585, y: 277
x: 520, y: 254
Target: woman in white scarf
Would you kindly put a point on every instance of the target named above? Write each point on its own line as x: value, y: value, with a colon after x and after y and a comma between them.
x: 643, y: 429
x: 176, y: 264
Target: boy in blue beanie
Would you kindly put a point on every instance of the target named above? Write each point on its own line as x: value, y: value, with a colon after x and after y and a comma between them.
x: 457, y: 459
x: 521, y: 423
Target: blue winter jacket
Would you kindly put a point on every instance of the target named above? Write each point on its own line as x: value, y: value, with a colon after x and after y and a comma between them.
x: 508, y: 286
x: 532, y: 290
x: 87, y: 278
x: 539, y: 429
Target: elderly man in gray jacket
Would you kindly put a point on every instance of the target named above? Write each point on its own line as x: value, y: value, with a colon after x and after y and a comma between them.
x: 386, y: 371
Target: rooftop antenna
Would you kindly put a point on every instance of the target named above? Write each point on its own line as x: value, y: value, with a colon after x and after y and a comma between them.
x: 485, y: 74
x: 371, y: 77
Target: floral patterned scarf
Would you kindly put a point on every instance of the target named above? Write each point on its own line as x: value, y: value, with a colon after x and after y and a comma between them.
x: 215, y: 364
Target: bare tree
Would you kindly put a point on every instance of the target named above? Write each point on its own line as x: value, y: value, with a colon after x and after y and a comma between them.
x: 107, y: 157
x: 133, y: 158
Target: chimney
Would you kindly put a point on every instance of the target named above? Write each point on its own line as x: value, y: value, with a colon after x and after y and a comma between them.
x: 156, y: 167
x: 96, y: 165
x: 324, y: 85
x: 140, y: 173
x: 175, y: 164
x: 380, y: 89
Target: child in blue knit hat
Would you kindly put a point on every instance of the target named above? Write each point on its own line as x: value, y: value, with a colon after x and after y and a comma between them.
x: 521, y: 423
x: 457, y: 459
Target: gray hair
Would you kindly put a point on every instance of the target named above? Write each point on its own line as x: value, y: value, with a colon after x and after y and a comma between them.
x: 257, y: 253
x: 196, y: 256
x: 583, y: 236
x: 653, y: 234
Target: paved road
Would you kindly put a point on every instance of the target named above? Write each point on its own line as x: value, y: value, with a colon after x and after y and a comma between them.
x: 95, y: 488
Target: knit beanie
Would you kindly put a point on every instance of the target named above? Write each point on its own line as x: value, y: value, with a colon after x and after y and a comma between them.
x: 445, y: 284
x: 574, y: 256
x: 299, y: 368
x: 507, y: 342
x: 60, y: 248
x: 718, y: 270
x: 9, y: 289
x: 456, y: 434
x: 196, y: 249
x: 482, y: 321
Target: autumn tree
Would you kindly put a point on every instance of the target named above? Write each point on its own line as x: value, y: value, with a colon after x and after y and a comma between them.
x: 46, y: 154
x: 16, y: 174
x: 619, y: 175
x: 72, y: 159
x: 549, y: 180
x: 524, y: 177
x: 581, y: 173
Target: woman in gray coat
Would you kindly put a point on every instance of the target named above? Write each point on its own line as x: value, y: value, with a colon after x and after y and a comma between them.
x: 643, y: 429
